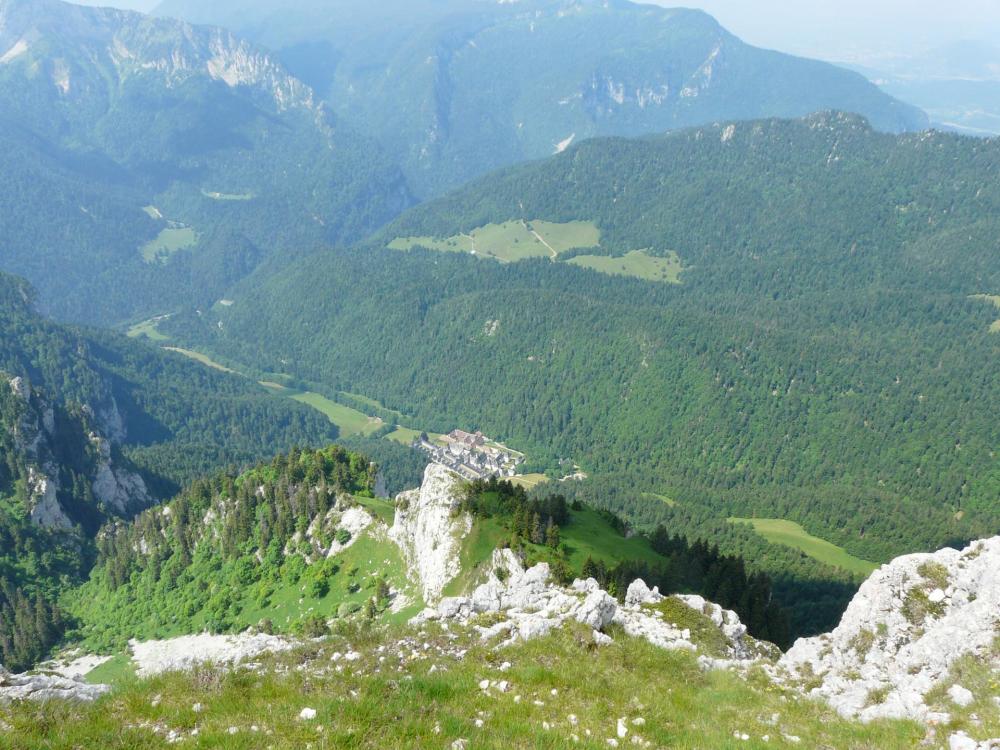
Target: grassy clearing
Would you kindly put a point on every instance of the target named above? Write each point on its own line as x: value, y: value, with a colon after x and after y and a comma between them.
x: 512, y: 241
x: 227, y: 196
x: 563, y: 692
x: 790, y: 534
x: 669, y: 501
x: 147, y: 329
x: 349, y: 421
x: 588, y: 534
x: 115, y: 670
x: 406, y: 436
x: 199, y: 357
x: 529, y: 481
x: 637, y: 263
x: 569, y: 235
x: 169, y: 241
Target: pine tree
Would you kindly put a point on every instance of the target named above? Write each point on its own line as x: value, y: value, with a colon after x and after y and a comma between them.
x: 382, y: 592
x: 537, y: 532
x: 552, y: 535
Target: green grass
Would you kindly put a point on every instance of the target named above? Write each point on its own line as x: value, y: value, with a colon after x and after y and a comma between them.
x: 115, y: 670
x: 349, y: 421
x: 169, y: 241
x: 569, y: 235
x: 589, y: 535
x: 199, y: 357
x: 406, y: 435
x: 791, y: 534
x: 637, y: 264
x: 227, y: 196
x: 400, y: 703
x: 361, y: 565
x: 512, y: 241
x: 669, y: 501
x: 529, y: 481
x: 147, y: 329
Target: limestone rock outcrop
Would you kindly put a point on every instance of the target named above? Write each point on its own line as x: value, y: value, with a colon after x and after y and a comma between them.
x: 904, y: 630
x: 429, y: 528
x: 42, y: 687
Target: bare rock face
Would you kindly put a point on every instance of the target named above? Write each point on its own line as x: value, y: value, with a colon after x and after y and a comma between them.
x: 41, y: 687
x: 429, y: 529
x: 532, y: 605
x: 901, y: 634
x: 114, y: 486
x: 46, y: 510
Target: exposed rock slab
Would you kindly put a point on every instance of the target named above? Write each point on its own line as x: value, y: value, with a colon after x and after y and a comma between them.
x: 43, y: 687
x: 903, y: 631
x: 186, y: 652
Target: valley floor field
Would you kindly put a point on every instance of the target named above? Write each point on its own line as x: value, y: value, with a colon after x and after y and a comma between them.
x: 790, y: 534
x: 512, y: 241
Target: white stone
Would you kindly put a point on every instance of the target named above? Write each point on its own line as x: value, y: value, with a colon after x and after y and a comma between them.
x: 961, y: 696
x: 186, y: 652
x: 307, y: 714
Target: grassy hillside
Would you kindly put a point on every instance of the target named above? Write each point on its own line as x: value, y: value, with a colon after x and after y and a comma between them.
x: 791, y: 534
x: 559, y: 687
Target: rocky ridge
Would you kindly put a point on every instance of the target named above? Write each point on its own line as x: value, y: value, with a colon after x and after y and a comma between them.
x: 129, y: 44
x: 894, y: 654
x: 903, y: 632
x: 46, y: 687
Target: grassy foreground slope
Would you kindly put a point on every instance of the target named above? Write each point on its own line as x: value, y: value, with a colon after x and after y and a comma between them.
x: 408, y: 690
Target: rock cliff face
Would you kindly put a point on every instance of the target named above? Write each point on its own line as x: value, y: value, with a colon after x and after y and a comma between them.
x: 126, y: 44
x: 55, y: 444
x: 903, y: 632
x: 429, y: 530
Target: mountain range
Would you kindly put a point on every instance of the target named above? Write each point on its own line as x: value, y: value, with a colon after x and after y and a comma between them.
x: 456, y: 89
x: 149, y: 161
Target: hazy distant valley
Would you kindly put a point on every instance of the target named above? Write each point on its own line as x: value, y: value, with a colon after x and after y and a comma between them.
x: 431, y: 374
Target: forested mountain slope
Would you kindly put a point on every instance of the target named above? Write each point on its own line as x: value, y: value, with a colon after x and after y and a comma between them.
x: 149, y: 161
x: 824, y: 358
x: 94, y: 426
x: 173, y: 417
x: 454, y: 89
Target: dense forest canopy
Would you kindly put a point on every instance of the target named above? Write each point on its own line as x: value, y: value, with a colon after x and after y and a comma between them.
x: 823, y: 360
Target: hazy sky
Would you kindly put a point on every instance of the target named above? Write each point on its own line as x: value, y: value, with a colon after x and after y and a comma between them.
x: 833, y: 29
x: 842, y: 29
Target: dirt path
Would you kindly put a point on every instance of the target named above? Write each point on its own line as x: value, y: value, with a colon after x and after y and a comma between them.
x: 555, y: 255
